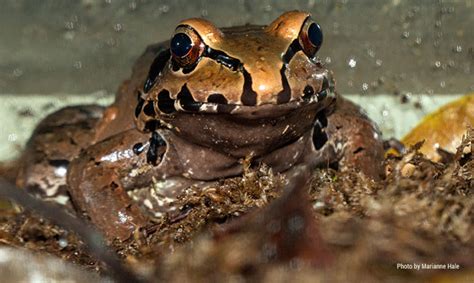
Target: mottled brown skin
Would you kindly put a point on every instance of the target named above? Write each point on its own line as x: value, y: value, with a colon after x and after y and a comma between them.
x: 275, y: 105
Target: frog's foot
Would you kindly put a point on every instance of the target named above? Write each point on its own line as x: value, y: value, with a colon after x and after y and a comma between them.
x: 347, y: 139
x: 56, y: 141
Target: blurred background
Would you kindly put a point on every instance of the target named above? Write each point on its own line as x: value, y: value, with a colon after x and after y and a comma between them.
x: 388, y: 55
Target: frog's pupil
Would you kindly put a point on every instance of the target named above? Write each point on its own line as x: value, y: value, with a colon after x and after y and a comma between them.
x: 315, y: 34
x: 181, y: 44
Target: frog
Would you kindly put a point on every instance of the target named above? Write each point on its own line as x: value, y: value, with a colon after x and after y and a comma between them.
x: 196, y: 108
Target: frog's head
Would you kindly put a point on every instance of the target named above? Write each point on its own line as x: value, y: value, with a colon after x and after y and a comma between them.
x: 245, y: 71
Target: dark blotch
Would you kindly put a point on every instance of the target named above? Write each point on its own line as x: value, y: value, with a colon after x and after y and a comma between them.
x: 187, y: 101
x: 157, y: 148
x: 285, y: 95
x: 308, y: 92
x: 322, y: 118
x: 138, y: 148
x: 217, y: 98
x: 152, y: 125
x: 319, y: 136
x: 139, y: 107
x: 149, y: 109
x: 222, y: 58
x: 291, y: 51
x: 165, y: 103
x: 156, y: 68
x: 249, y: 96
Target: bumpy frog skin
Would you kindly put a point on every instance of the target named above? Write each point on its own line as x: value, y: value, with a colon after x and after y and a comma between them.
x: 194, y: 108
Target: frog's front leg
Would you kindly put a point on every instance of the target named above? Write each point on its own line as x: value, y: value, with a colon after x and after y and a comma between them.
x: 96, y: 187
x: 348, y: 139
x: 103, y: 174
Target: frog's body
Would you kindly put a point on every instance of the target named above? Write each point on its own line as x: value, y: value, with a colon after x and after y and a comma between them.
x: 214, y: 98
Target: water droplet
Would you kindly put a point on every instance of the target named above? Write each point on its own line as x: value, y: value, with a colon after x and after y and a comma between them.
x: 371, y: 53
x: 12, y: 137
x: 378, y: 62
x: 365, y: 86
x: 118, y: 27
x: 405, y: 34
x: 17, y: 72
x: 164, y: 9
x: 457, y: 49
x: 63, y: 243
x: 69, y: 25
x: 352, y: 62
x: 442, y: 84
x: 77, y: 65
x: 437, y: 64
x: 328, y: 60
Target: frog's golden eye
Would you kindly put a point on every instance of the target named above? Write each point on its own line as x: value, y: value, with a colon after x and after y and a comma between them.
x: 186, y: 47
x: 311, y: 37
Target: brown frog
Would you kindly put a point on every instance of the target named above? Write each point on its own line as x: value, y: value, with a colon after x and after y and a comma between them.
x: 194, y: 108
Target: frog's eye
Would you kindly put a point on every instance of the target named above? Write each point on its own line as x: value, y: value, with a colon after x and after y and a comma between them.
x: 186, y: 46
x: 311, y: 37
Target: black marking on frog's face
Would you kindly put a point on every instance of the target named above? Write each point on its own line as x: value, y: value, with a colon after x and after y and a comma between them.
x: 249, y: 96
x: 155, y: 69
x: 284, y: 96
x: 139, y: 107
x: 217, y: 98
x: 186, y: 100
x: 165, y: 102
x: 149, y: 109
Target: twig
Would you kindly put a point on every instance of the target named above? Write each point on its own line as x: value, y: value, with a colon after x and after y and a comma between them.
x: 93, y: 240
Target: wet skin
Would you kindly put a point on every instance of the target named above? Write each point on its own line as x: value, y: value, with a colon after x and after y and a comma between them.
x: 194, y: 108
